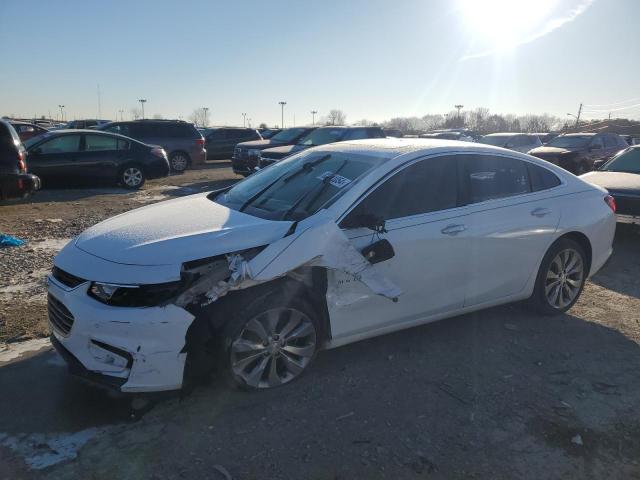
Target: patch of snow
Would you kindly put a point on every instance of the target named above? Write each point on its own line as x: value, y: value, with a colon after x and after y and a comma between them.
x: 11, y: 351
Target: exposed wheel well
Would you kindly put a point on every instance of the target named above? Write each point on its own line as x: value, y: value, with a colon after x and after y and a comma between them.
x: 582, y: 240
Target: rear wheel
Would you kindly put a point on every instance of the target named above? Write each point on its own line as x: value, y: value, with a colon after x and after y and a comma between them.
x: 132, y: 177
x: 560, y: 279
x: 581, y: 168
x: 179, y: 161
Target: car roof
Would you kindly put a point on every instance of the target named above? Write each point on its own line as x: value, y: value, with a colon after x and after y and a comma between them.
x: 577, y: 134
x: 508, y: 134
x: 71, y: 131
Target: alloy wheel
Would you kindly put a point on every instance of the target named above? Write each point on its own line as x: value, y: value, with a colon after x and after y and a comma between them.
x: 273, y: 348
x: 179, y: 162
x: 564, y: 278
x: 132, y: 177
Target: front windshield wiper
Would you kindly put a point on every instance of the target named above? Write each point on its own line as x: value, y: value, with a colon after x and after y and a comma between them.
x: 307, y: 167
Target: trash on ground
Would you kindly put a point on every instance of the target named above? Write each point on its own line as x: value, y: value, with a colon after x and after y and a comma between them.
x: 9, y: 241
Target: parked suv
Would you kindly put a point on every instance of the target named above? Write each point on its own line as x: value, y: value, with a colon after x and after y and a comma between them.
x: 15, y: 182
x: 246, y: 154
x: 577, y: 152
x: 520, y: 142
x: 221, y: 141
x: 181, y: 140
x: 319, y: 136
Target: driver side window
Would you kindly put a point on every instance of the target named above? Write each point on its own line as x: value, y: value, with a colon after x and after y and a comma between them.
x: 597, y: 141
x: 426, y: 186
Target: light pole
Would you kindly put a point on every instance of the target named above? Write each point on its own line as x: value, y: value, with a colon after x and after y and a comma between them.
x: 205, y: 111
x: 313, y: 117
x: 459, y: 107
x: 120, y: 112
x: 244, y: 120
x: 61, y: 113
x: 142, y: 102
x: 282, y: 104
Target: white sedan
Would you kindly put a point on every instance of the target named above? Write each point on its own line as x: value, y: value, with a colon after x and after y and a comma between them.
x: 330, y: 246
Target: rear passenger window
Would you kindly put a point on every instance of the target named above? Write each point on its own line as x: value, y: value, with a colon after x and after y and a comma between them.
x: 541, y: 178
x: 490, y: 177
x: 96, y: 143
x: 427, y: 186
x: 123, y: 145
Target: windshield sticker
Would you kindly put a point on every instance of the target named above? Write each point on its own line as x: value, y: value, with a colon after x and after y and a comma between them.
x: 337, y: 181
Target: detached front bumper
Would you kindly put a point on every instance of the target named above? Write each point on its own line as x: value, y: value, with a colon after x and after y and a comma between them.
x: 130, y: 349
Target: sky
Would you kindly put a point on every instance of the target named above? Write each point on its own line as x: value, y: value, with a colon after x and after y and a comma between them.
x: 373, y: 59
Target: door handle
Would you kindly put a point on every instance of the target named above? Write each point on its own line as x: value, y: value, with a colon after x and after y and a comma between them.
x: 540, y: 212
x: 453, y: 229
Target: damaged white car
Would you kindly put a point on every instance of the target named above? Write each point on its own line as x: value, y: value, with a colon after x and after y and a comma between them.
x: 330, y: 246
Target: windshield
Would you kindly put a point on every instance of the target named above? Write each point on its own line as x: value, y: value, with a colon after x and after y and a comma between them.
x: 298, y: 186
x: 288, y: 135
x: 495, y: 140
x: 626, y: 161
x: 322, y: 136
x: 576, y: 141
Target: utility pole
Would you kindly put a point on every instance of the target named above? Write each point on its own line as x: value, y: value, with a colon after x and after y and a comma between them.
x: 99, y: 104
x: 313, y: 117
x: 578, y: 117
x: 244, y: 120
x: 205, y: 111
x: 121, y: 112
x: 459, y: 107
x: 61, y: 113
x: 282, y: 104
x: 142, y: 102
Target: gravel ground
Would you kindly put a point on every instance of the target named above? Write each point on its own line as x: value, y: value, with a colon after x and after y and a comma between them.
x: 500, y: 394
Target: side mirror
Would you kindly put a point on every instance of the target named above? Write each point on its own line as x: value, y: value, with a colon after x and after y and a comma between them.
x: 378, y: 251
x: 365, y: 220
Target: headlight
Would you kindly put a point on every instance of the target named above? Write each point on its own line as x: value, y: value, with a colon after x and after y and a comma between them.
x: 254, y: 153
x: 134, y: 295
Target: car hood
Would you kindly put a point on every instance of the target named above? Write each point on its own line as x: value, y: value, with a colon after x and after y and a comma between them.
x: 177, y: 231
x: 280, y: 152
x: 614, y: 181
x: 550, y: 151
x: 259, y: 144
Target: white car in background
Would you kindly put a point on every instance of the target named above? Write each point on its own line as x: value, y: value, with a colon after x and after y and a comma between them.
x: 332, y: 245
x: 519, y: 142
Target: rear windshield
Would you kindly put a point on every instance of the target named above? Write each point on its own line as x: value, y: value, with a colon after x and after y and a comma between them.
x: 298, y: 186
x: 495, y: 140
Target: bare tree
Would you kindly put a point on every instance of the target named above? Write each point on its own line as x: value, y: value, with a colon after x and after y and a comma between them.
x: 199, y: 117
x: 263, y: 125
x: 433, y: 122
x: 335, y: 117
x: 136, y: 113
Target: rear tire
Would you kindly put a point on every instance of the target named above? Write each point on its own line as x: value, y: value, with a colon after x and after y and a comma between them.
x: 132, y: 177
x: 179, y: 162
x: 561, y: 278
x: 271, y: 341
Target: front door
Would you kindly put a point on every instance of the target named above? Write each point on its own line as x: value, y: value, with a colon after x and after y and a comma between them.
x: 56, y: 159
x: 426, y: 229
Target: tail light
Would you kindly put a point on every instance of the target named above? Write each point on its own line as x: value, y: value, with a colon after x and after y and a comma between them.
x: 159, y: 152
x: 200, y: 141
x: 609, y: 200
x: 22, y: 166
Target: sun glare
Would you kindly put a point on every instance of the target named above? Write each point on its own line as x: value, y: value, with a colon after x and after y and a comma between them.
x: 503, y: 24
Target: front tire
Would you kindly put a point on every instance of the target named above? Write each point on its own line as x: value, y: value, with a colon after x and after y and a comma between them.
x: 132, y: 177
x: 560, y: 279
x: 270, y: 342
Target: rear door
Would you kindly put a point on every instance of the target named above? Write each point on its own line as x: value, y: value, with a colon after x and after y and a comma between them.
x: 56, y: 158
x: 510, y: 223
x: 424, y: 226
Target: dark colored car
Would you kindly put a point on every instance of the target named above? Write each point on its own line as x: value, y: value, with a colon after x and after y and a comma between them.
x: 97, y: 156
x: 15, y: 182
x: 181, y: 140
x: 320, y: 136
x: 221, y: 141
x: 392, y: 132
x: 621, y: 177
x: 80, y: 124
x: 546, y: 137
x: 580, y: 152
x: 246, y: 154
x: 27, y: 130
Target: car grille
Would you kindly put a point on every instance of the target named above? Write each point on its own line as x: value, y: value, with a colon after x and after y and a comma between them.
x: 66, y: 278
x: 627, y: 205
x: 60, y: 317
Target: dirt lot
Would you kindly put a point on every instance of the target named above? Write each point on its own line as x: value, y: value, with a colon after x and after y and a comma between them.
x: 497, y: 394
